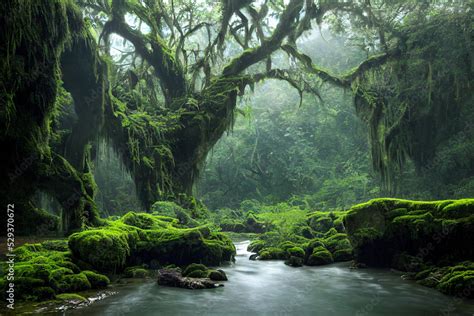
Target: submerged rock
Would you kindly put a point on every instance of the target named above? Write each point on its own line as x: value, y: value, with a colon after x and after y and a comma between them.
x: 173, y: 278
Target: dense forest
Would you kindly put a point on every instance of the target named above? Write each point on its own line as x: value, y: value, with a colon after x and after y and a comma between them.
x: 163, y: 140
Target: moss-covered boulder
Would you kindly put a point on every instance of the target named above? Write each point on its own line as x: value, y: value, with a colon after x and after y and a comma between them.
x: 272, y: 253
x: 193, y: 267
x: 217, y: 275
x: 136, y: 272
x: 439, y: 231
x: 138, y: 239
x: 294, y: 262
x: 43, y: 271
x: 320, y: 256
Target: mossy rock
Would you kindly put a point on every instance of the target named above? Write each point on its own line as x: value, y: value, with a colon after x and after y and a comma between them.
x: 256, y: 246
x: 197, y: 274
x: 296, y: 252
x: 166, y: 208
x: 272, y: 253
x: 381, y: 229
x: 459, y: 283
x: 343, y: 255
x: 142, y: 220
x: 320, y: 256
x: 136, y: 272
x: 294, y: 261
x: 330, y: 232
x: 336, y: 242
x: 96, y: 280
x: 217, y: 275
x: 286, y: 245
x: 70, y: 297
x: 106, y: 249
x: 194, y: 267
x: 43, y: 293
x: 74, y: 283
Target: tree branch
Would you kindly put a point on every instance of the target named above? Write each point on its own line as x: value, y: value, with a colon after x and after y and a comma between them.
x: 153, y: 49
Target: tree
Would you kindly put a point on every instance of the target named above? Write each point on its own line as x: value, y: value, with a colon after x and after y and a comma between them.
x: 169, y: 96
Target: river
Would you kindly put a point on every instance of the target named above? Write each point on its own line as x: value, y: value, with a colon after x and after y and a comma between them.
x: 271, y: 287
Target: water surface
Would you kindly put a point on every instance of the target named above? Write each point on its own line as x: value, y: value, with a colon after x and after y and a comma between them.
x: 271, y: 287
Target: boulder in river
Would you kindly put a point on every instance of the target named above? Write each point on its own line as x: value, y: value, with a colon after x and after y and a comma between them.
x: 172, y: 277
x: 253, y: 256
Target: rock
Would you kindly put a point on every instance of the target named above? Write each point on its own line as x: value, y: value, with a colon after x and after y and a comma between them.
x: 294, y: 262
x: 217, y: 275
x: 253, y: 256
x: 173, y: 278
x: 388, y: 232
x: 320, y: 256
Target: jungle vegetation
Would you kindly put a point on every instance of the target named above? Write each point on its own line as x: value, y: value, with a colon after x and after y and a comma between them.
x: 139, y: 127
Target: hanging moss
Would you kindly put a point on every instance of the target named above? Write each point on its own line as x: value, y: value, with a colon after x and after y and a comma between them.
x: 414, y: 104
x: 35, y: 35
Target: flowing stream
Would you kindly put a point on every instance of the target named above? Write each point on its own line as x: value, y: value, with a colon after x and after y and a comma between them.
x: 271, y: 287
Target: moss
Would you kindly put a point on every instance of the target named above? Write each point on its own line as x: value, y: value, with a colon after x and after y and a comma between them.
x: 140, y: 220
x: 343, y: 255
x: 70, y: 297
x: 286, y: 245
x: 217, y: 275
x: 74, y: 283
x: 43, y: 293
x: 337, y: 241
x: 273, y: 253
x: 194, y: 267
x: 330, y: 232
x: 296, y: 252
x: 96, y: 280
x: 294, y: 261
x: 256, y: 246
x: 320, y: 256
x: 458, y: 283
x: 383, y: 228
x: 197, y: 274
x: 105, y: 249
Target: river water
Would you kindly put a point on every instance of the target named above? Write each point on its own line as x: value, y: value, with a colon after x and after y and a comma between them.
x: 272, y: 288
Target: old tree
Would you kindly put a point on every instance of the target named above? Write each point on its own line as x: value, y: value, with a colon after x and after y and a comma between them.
x: 159, y: 81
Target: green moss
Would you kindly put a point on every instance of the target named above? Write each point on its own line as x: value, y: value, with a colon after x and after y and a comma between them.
x: 96, y: 280
x: 256, y: 246
x: 217, y: 275
x: 381, y: 229
x: 70, y: 297
x: 106, y: 249
x: 343, y: 255
x: 142, y: 220
x: 197, y: 274
x: 43, y: 293
x: 273, y: 253
x: 74, y: 283
x: 294, y: 261
x: 458, y: 283
x: 320, y: 256
x: 194, y: 267
x: 296, y: 252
